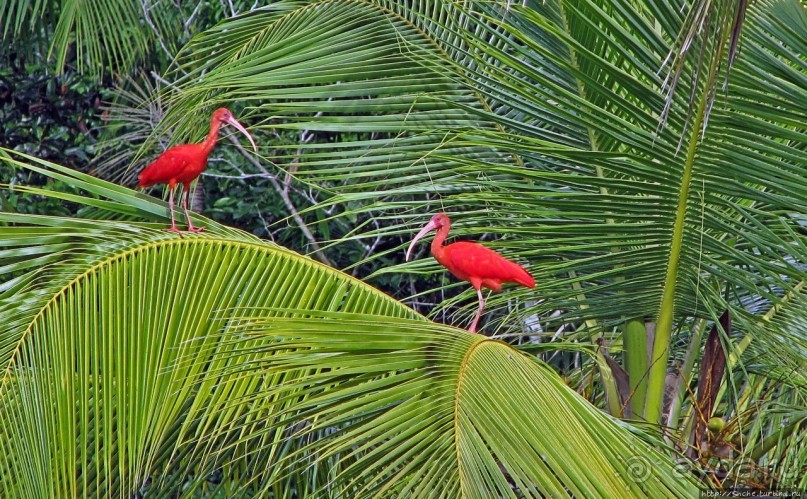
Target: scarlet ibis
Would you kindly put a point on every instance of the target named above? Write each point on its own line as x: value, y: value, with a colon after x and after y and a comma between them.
x: 183, y: 163
x: 472, y: 262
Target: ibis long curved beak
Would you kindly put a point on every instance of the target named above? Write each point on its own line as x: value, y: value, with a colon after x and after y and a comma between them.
x: 425, y: 230
x: 232, y: 121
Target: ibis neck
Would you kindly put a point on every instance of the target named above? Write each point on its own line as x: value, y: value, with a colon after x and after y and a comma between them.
x: 212, y: 136
x: 438, y: 250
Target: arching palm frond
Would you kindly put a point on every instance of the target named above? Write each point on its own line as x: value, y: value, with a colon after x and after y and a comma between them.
x: 398, y: 408
x: 138, y: 362
x: 104, y: 37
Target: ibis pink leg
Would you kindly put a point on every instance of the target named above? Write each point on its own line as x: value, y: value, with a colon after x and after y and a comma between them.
x: 173, y: 227
x: 479, y: 312
x: 191, y: 228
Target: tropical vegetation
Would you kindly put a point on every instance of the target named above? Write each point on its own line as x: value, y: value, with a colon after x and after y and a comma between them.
x: 645, y: 161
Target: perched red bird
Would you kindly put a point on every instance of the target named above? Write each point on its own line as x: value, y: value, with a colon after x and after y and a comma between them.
x: 472, y: 262
x: 182, y: 164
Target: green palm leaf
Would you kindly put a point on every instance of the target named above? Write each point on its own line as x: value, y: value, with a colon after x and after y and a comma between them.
x: 134, y: 360
x: 407, y: 409
x: 541, y: 125
x: 105, y: 35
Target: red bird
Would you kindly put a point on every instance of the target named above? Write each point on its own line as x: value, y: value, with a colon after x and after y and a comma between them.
x: 472, y: 262
x: 182, y: 164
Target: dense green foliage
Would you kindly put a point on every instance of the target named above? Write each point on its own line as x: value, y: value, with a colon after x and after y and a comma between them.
x: 217, y: 355
x: 646, y: 162
x: 49, y: 116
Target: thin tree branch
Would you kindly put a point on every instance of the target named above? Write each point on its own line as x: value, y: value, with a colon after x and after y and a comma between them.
x: 188, y: 22
x: 317, y: 251
x: 147, y: 17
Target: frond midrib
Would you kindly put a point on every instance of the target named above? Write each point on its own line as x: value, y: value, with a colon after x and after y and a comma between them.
x: 457, y: 393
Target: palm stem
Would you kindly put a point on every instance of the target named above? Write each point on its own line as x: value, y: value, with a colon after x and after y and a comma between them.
x: 634, y: 341
x: 664, y: 323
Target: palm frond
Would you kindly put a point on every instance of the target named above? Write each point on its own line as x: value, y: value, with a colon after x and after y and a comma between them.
x: 96, y: 314
x: 404, y: 408
x: 548, y: 120
x: 103, y: 37
x: 136, y: 361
